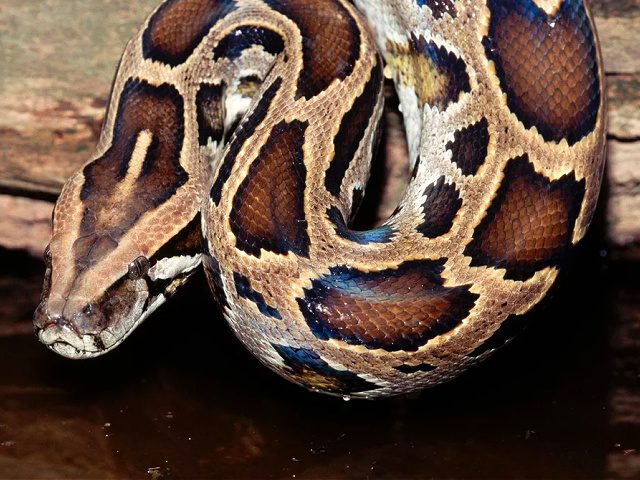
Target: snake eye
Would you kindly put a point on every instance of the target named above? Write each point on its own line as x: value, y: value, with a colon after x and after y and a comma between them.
x: 138, y: 268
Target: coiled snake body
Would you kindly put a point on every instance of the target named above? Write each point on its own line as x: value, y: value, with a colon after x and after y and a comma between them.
x: 252, y: 123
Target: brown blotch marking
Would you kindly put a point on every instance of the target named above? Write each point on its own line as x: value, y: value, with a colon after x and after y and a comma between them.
x: 178, y: 27
x: 353, y: 126
x: 210, y: 110
x: 547, y: 65
x: 116, y: 193
x: 439, y: 7
x: 440, y: 208
x: 268, y: 216
x: 241, y: 134
x: 530, y: 222
x: 438, y: 76
x: 469, y: 147
x: 330, y: 42
x: 395, y: 309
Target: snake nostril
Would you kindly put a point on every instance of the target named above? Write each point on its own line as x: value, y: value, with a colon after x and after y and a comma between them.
x: 44, y: 321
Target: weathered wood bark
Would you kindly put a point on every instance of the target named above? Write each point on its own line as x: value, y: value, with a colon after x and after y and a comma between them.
x: 58, y: 58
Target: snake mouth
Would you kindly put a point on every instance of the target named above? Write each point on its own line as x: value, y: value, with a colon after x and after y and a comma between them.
x: 64, y: 338
x: 68, y: 342
x: 75, y: 329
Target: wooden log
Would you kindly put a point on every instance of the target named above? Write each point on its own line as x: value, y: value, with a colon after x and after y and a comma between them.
x: 60, y: 57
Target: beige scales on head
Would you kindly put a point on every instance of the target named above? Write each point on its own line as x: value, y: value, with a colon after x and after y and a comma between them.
x: 252, y: 123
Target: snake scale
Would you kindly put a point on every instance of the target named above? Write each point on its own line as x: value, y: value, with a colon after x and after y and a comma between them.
x: 239, y: 135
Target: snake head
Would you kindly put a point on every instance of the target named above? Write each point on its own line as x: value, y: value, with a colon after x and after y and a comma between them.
x: 126, y: 228
x: 77, y: 324
x: 99, y: 287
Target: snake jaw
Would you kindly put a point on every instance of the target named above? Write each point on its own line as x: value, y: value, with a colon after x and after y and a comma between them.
x: 62, y: 338
x: 76, y: 331
x: 65, y: 341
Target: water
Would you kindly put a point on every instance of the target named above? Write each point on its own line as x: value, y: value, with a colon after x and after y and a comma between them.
x: 182, y: 399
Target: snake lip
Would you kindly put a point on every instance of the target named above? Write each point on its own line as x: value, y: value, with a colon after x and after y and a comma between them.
x: 63, y: 335
x: 67, y: 338
x: 64, y: 339
x: 75, y: 328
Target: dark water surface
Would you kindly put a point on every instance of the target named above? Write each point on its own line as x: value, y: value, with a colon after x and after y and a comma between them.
x: 182, y: 399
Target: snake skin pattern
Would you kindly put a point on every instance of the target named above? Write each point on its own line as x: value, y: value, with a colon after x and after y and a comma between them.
x: 251, y: 124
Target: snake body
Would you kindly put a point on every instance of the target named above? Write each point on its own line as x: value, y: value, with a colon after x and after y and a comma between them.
x: 251, y: 124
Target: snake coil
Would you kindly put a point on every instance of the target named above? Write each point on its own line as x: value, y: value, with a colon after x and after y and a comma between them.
x: 250, y: 124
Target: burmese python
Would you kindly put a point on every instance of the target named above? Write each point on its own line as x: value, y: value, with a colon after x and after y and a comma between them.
x: 252, y: 123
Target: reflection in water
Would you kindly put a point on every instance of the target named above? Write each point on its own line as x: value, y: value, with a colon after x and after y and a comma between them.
x: 181, y: 399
